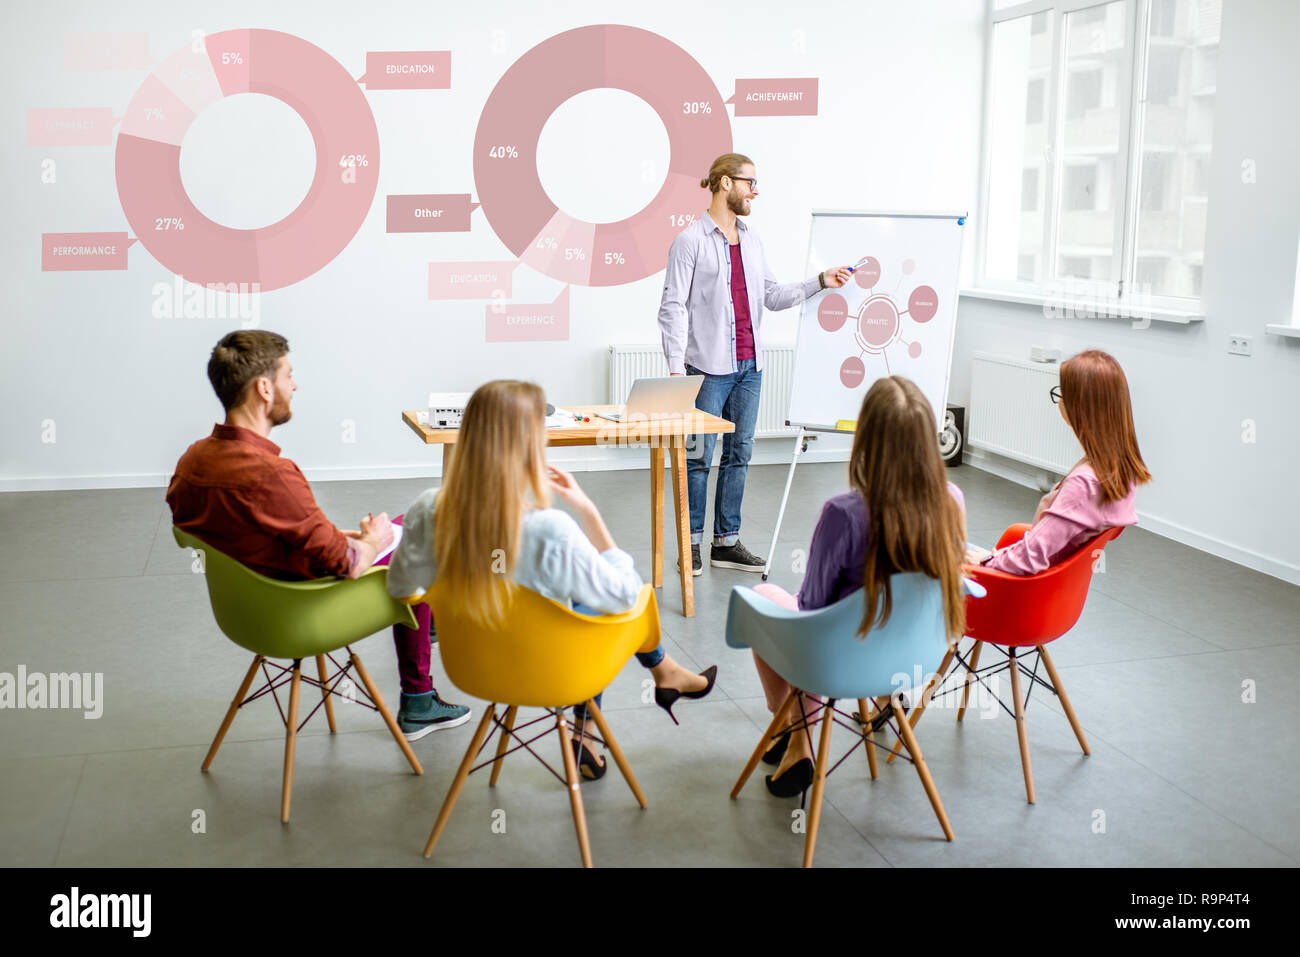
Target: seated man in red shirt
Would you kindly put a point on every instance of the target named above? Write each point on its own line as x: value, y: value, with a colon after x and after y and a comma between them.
x: 234, y: 491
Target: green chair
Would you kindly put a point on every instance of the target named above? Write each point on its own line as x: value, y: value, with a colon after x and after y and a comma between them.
x: 297, y: 620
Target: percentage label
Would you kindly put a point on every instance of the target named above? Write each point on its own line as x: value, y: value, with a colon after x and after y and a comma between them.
x: 614, y: 259
x: 228, y: 58
x: 353, y: 159
x: 571, y: 253
x: 168, y: 222
x: 696, y: 106
x: 681, y: 219
x: 503, y: 152
x: 547, y: 242
x: 153, y: 113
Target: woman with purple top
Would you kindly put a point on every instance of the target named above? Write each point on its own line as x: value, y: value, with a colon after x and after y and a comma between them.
x: 1100, y: 492
x: 902, y: 515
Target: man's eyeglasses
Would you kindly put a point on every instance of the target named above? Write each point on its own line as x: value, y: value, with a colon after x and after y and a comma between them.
x: 1055, y: 393
x: 753, y: 183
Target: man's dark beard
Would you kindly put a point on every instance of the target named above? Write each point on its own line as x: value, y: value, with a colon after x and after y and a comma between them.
x: 280, y: 413
x: 737, y: 206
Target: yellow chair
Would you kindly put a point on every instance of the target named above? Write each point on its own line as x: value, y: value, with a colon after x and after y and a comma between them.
x: 544, y: 655
x: 297, y: 620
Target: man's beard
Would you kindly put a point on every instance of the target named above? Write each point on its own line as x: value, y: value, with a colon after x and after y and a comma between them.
x: 280, y: 413
x: 737, y: 204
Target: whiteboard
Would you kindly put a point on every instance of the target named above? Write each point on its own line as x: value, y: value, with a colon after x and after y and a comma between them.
x: 895, y: 316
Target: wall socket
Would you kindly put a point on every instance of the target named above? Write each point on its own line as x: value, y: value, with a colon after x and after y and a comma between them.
x: 1239, y: 345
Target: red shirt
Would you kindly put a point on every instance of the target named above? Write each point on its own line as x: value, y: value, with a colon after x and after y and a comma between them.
x: 740, y: 304
x: 234, y: 491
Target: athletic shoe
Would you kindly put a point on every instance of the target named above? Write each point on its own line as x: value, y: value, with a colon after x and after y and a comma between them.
x: 735, y: 556
x: 422, y: 713
x: 697, y: 563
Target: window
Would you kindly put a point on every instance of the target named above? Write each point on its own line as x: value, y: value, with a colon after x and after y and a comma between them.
x: 1098, y: 132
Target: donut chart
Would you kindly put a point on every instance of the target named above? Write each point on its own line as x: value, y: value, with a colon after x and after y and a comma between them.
x: 505, y: 151
x: 276, y: 64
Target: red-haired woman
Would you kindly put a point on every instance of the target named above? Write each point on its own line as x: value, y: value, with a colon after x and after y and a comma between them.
x: 1101, y: 490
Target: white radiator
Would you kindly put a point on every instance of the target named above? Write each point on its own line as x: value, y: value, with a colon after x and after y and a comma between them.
x: 1011, y: 412
x: 631, y: 362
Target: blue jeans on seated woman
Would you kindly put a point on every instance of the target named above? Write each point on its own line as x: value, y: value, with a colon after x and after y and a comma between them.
x: 649, y: 659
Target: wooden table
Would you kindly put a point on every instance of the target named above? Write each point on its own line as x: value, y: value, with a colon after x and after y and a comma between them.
x: 660, y: 434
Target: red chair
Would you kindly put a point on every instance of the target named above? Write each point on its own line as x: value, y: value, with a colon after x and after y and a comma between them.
x: 1022, y: 611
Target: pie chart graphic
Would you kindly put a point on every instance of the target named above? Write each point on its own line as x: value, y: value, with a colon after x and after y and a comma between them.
x: 276, y: 64
x: 505, y: 152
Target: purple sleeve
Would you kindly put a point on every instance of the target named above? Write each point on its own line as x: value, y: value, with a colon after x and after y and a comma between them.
x: 1053, y: 533
x: 826, y: 558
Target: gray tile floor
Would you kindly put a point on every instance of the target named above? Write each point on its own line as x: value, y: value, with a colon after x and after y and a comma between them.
x: 1181, y: 670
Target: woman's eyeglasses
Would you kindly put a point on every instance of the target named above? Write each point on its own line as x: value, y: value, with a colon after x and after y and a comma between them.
x: 1055, y: 393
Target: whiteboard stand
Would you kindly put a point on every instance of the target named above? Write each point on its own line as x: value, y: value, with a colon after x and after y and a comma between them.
x: 800, y: 446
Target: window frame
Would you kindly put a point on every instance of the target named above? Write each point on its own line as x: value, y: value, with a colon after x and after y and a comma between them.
x: 1131, y: 103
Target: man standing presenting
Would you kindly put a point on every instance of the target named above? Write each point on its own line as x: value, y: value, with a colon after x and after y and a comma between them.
x: 235, y: 492
x: 715, y: 289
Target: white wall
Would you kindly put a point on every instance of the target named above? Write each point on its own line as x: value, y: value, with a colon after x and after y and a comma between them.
x: 1191, y: 399
x: 898, y: 128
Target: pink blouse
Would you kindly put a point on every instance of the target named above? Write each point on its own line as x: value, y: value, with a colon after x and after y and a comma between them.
x: 1068, y: 516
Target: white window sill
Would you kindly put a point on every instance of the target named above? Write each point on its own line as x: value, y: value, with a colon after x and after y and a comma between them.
x: 1085, y: 309
x: 1291, y: 332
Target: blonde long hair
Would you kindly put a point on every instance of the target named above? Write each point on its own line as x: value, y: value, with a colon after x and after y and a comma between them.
x: 500, y: 459
x: 915, y: 523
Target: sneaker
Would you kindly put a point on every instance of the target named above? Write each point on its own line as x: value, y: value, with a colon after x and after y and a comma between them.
x: 735, y: 556
x: 697, y: 563
x: 423, y: 713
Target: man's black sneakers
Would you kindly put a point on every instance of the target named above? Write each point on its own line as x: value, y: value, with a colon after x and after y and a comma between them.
x: 735, y: 556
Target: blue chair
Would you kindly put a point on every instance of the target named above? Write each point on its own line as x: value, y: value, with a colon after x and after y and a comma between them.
x: 819, y: 652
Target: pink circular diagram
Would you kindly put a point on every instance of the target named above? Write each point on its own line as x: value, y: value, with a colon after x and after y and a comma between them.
x: 868, y: 274
x: 852, y: 372
x: 832, y: 311
x: 290, y: 69
x: 505, y: 152
x: 877, y: 323
x: 923, y: 303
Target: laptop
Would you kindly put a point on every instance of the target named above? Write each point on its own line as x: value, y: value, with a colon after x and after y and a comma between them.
x: 669, y: 395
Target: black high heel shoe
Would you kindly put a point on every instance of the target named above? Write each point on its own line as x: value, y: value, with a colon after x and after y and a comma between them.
x: 667, y: 697
x: 797, y: 779
x: 588, y: 766
x: 774, y: 754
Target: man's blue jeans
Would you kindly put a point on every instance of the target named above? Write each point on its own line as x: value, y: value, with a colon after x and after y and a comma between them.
x: 733, y: 397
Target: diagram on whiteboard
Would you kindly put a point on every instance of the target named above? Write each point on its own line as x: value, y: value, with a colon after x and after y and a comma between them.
x: 877, y: 318
x: 896, y: 317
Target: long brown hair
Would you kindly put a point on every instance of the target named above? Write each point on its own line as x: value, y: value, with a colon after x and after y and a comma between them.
x: 1094, y: 392
x: 728, y: 164
x: 500, y: 459
x: 915, y: 523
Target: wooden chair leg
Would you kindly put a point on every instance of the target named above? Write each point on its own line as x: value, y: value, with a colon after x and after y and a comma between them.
x: 864, y: 712
x: 970, y: 677
x: 1065, y: 701
x: 1021, y: 731
x: 232, y: 711
x: 458, y: 782
x: 612, y: 743
x: 918, y: 706
x: 383, y: 710
x: 324, y: 692
x: 290, y: 740
x: 503, y: 745
x: 575, y: 792
x: 819, y: 782
x: 914, y: 749
x: 765, y: 742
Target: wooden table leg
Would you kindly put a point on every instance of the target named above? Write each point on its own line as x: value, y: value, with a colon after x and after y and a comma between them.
x: 657, y: 514
x: 448, y: 453
x: 682, y: 512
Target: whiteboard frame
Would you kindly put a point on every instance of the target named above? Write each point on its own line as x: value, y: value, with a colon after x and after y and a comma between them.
x: 892, y: 214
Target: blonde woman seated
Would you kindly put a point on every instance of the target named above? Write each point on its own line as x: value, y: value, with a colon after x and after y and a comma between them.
x: 496, y: 499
